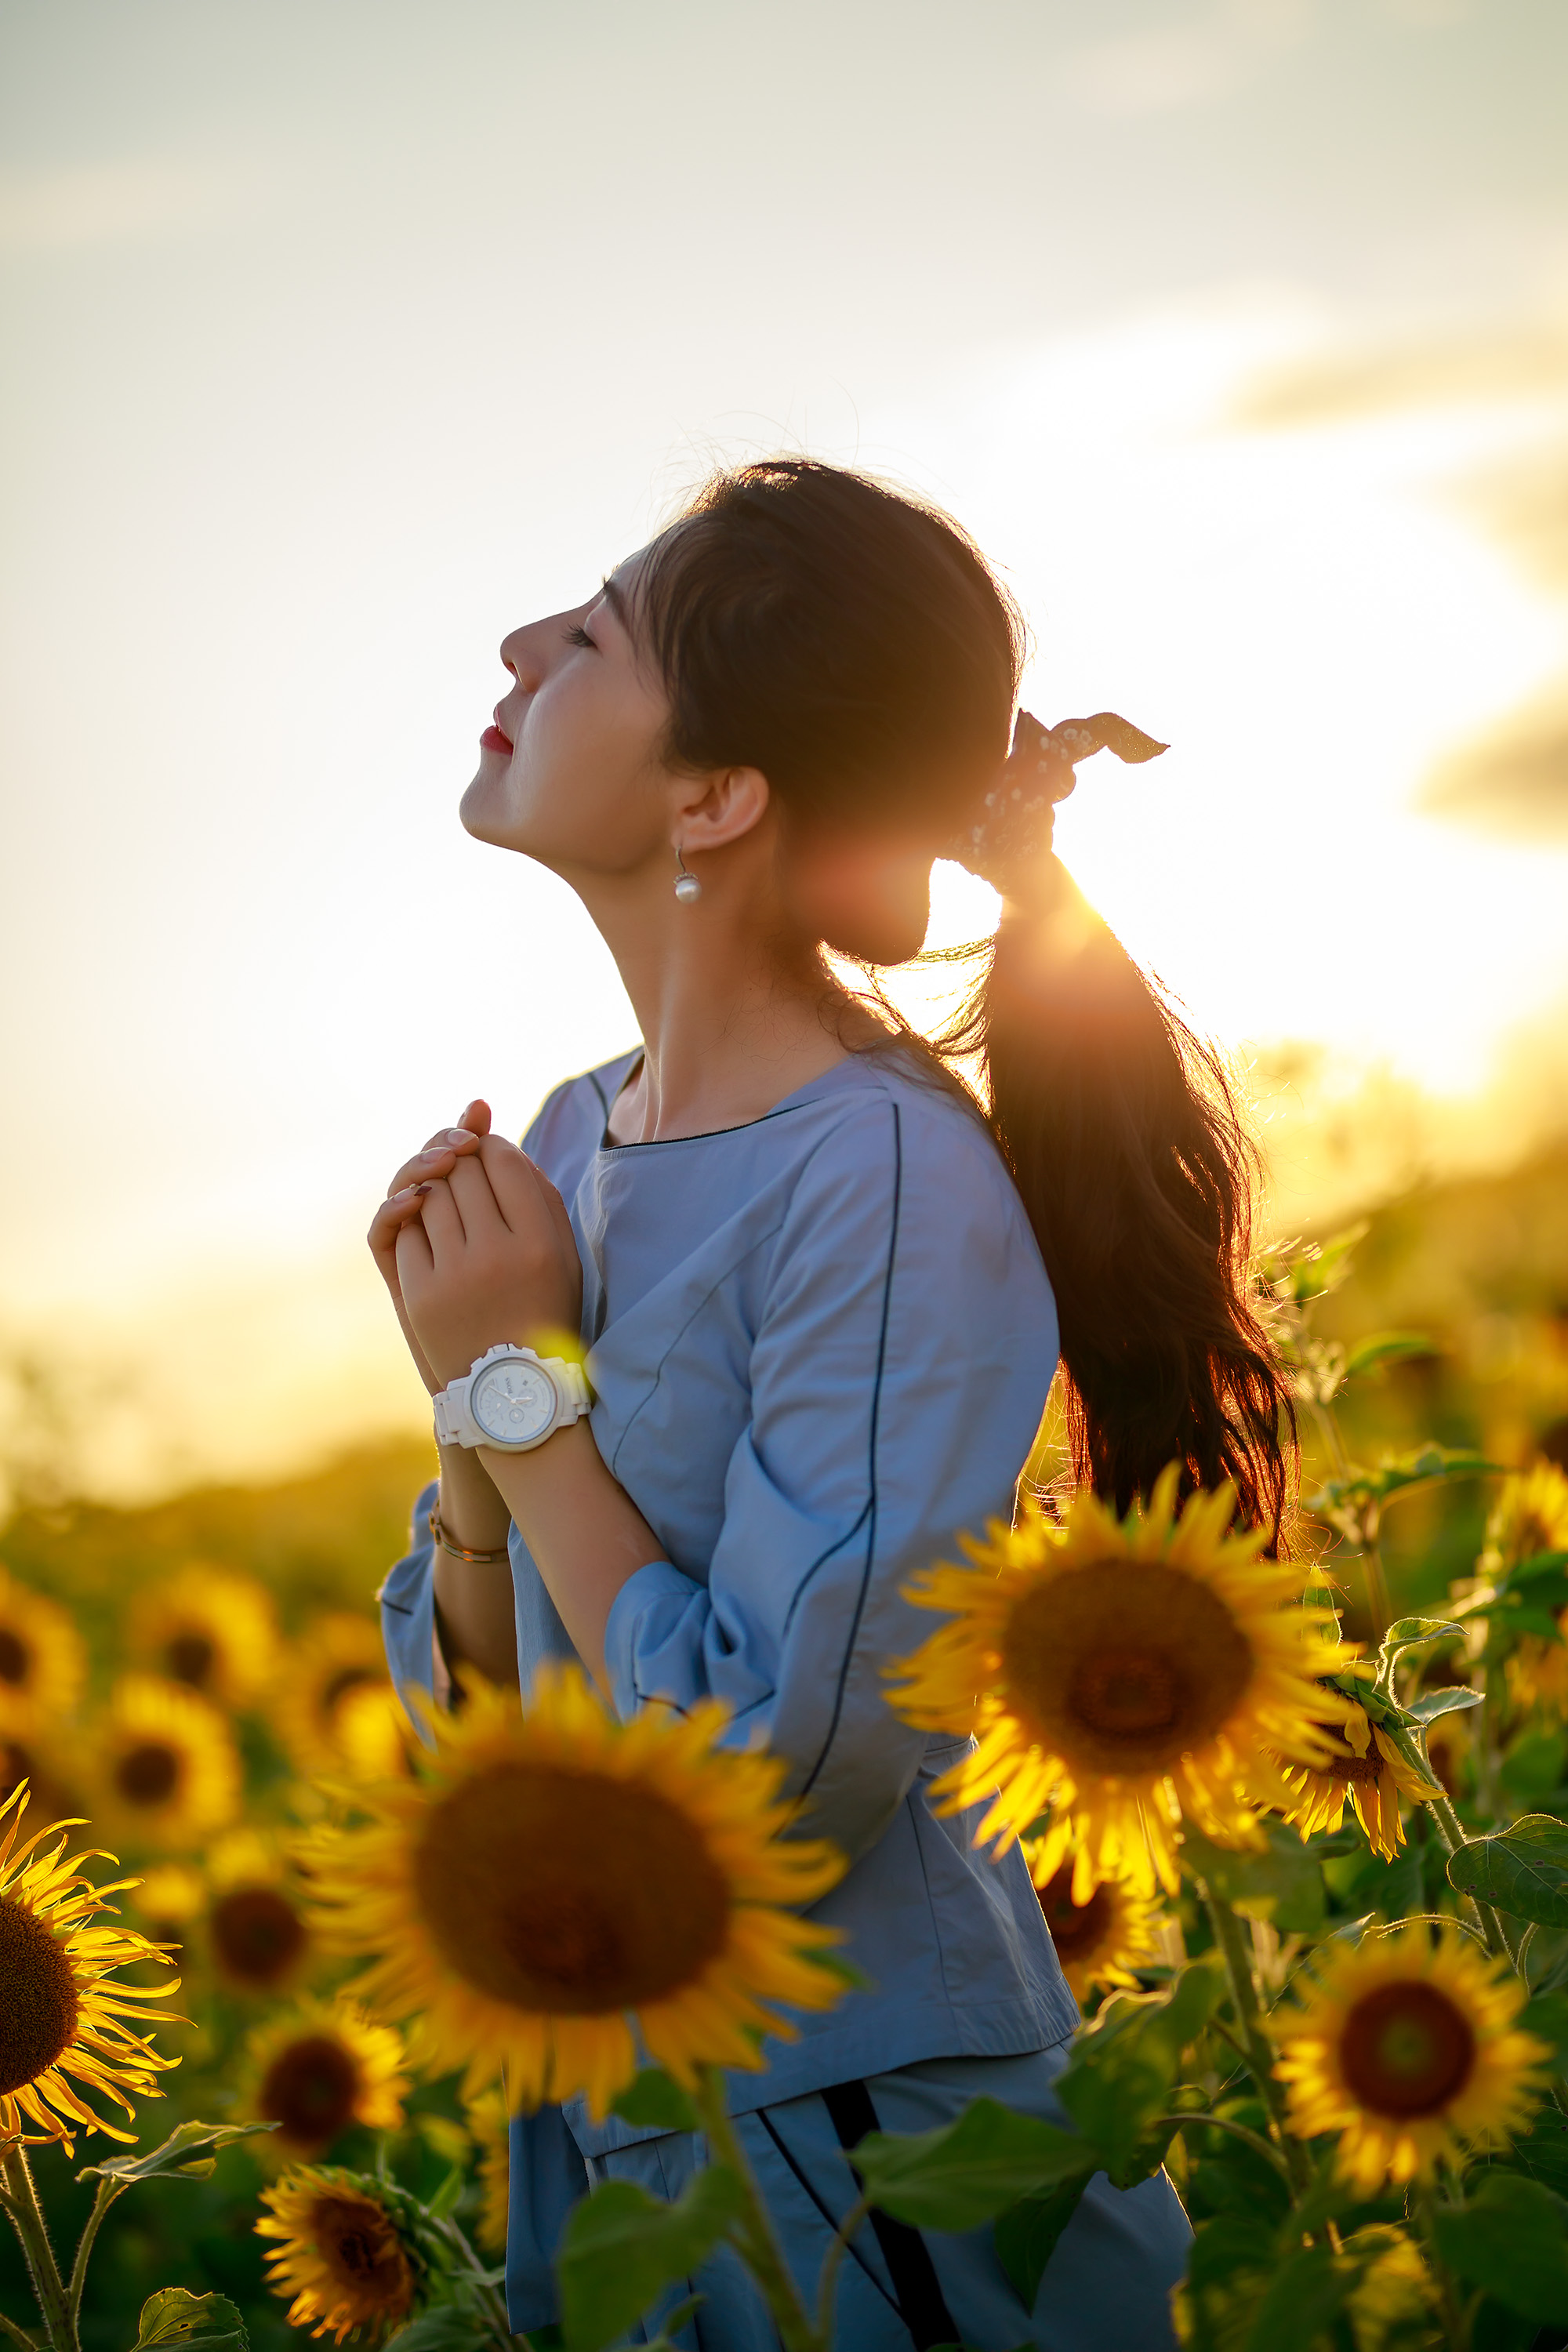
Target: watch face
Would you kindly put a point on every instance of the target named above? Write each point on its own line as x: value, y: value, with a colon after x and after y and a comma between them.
x: 512, y: 1402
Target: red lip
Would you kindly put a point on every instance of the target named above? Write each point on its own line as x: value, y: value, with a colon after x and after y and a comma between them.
x: 492, y: 740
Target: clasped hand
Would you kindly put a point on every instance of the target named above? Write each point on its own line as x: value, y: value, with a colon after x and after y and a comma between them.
x: 475, y: 1245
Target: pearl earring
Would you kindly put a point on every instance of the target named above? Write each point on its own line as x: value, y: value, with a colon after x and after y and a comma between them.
x: 688, y: 888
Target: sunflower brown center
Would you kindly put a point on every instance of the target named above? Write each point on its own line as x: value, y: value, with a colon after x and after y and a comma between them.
x: 257, y: 1935
x: 1078, y: 1929
x: 1124, y: 1666
x: 359, y: 2247
x: 190, y: 1658
x: 346, y: 1679
x: 39, y: 2010
x: 569, y: 1891
x: 1405, y: 2050
x: 16, y: 1658
x: 311, y: 2089
x: 16, y: 1766
x: 147, y: 1773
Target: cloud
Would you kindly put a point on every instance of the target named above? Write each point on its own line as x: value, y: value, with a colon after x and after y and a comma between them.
x: 1522, y: 361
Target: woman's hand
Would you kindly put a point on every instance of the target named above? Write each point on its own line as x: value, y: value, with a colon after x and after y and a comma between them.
x: 484, y: 1253
x: 437, y: 1158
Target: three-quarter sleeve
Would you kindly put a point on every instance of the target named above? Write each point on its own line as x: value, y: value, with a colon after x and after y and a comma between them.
x: 905, y: 1345
x: 407, y: 1598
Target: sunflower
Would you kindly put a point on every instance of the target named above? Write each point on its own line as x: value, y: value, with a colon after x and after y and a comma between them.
x: 1405, y: 2046
x: 61, y: 2021
x: 256, y: 1922
x: 318, y: 2072
x: 1119, y: 1674
x: 1364, y: 1766
x: 208, y: 1629
x: 338, y: 1658
x: 168, y: 1774
x: 1099, y: 1942
x: 34, y: 1761
x: 42, y: 1660
x: 549, y: 1871
x: 1531, y: 1516
x: 343, y: 2257
x: 490, y: 2127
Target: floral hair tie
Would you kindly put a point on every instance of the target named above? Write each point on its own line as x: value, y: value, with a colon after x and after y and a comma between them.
x: 1013, y: 827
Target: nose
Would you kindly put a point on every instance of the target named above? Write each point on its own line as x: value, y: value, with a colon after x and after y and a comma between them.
x: 521, y: 652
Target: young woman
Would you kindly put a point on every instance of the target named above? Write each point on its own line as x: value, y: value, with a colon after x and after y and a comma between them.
x: 826, y: 1294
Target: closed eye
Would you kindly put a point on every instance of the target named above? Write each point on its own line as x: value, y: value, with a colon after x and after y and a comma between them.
x: 578, y: 635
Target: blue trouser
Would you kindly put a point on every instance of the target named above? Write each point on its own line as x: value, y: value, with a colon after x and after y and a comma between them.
x: 1106, y: 2288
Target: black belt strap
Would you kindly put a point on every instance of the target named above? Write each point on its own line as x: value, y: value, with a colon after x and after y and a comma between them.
x: 909, y: 2266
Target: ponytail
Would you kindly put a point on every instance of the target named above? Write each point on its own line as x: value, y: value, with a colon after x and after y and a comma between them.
x: 1123, y: 1137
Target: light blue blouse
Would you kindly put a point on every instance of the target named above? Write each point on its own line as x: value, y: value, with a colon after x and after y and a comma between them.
x: 820, y: 1346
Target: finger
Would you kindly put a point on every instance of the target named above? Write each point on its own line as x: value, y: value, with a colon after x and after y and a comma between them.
x: 470, y: 1184
x: 516, y: 1184
x: 442, y: 1225
x: 560, y: 1215
x: 477, y: 1117
x: 436, y: 1158
x: 388, y: 1222
x: 414, y: 1259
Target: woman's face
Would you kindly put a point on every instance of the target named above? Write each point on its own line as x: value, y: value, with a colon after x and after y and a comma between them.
x: 570, y: 772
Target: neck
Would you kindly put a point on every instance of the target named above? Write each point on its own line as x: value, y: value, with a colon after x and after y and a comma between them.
x: 731, y: 1020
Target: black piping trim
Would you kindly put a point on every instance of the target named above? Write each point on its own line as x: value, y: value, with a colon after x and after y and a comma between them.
x: 821, y: 1561
x: 811, y: 1778
x: 923, y: 2307
x: 828, y: 2215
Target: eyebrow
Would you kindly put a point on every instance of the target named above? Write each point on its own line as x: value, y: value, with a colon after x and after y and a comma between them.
x: 615, y: 599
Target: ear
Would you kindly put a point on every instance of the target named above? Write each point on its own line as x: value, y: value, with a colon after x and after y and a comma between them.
x: 711, y: 811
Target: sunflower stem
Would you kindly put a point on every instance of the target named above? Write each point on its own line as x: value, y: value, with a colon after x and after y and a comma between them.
x: 17, y: 2334
x: 1255, y: 2140
x: 107, y: 2190
x: 1236, y: 1951
x: 27, y: 2218
x: 831, y: 2262
x: 1450, y: 1833
x: 752, y: 2235
x: 1379, y: 1603
x: 1456, y: 2329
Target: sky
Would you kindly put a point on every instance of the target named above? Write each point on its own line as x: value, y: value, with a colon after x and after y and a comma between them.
x: 340, y: 338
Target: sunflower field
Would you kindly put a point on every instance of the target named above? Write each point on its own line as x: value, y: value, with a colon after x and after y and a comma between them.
x: 1300, y: 1829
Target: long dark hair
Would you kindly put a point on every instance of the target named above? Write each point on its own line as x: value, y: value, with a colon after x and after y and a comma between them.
x: 852, y: 643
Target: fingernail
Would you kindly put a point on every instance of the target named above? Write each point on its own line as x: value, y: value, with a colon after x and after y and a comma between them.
x: 406, y: 1194
x: 424, y: 1188
x: 459, y: 1135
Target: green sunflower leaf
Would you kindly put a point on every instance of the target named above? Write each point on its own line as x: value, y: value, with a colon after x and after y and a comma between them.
x: 1121, y: 2072
x: 448, y: 2328
x: 967, y: 2172
x: 177, y: 2155
x: 1026, y: 2235
x: 1446, y: 1700
x: 1512, y: 2239
x: 1284, y: 1885
x: 1386, y: 1347
x: 1522, y: 1871
x: 656, y: 2102
x: 621, y: 2247
x: 191, y: 2323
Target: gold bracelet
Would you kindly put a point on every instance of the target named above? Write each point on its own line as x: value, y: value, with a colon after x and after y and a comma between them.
x: 501, y: 1559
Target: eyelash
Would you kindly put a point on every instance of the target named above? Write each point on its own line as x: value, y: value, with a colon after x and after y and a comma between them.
x: 578, y: 635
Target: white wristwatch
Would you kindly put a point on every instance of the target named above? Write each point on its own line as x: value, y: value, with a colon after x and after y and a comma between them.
x: 513, y: 1399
